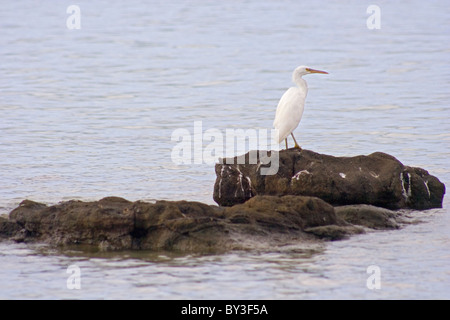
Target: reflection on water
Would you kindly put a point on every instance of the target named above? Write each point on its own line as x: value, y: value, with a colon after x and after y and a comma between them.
x: 89, y: 113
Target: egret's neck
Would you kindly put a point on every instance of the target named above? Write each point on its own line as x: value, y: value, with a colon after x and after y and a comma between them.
x: 301, y: 83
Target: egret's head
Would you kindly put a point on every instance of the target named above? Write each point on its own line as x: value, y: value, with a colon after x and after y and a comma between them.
x: 301, y: 71
x: 304, y: 70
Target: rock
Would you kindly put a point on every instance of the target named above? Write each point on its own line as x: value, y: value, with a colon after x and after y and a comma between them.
x: 115, y: 224
x: 334, y: 232
x: 283, y: 213
x: 377, y: 179
x: 368, y: 216
x: 105, y: 223
x: 289, y: 208
x: 8, y: 228
x: 178, y: 225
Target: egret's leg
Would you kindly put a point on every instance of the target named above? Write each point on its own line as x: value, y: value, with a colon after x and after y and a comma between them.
x: 296, y: 146
x: 286, y: 143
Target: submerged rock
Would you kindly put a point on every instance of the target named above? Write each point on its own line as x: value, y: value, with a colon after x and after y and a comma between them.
x: 115, y: 223
x: 377, y: 179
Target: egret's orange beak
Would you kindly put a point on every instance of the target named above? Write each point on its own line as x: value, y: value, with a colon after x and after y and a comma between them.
x: 315, y: 71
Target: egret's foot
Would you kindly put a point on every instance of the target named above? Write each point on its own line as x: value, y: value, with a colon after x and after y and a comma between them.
x: 296, y: 146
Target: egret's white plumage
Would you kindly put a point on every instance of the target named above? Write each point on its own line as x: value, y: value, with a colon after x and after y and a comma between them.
x: 291, y: 105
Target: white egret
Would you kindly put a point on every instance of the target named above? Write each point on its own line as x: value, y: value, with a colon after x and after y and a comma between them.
x: 291, y: 105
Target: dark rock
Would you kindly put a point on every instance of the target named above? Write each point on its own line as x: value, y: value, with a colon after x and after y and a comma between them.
x: 377, y: 179
x: 368, y: 216
x: 8, y: 228
x: 334, y: 232
x: 115, y: 223
x: 105, y: 223
x: 283, y: 213
x: 178, y: 225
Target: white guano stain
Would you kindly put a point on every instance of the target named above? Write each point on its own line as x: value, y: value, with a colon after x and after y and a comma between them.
x: 343, y: 175
x: 220, y: 181
x: 425, y: 182
x: 249, y: 182
x: 298, y: 174
x: 239, y: 182
x: 406, y: 192
x: 373, y: 174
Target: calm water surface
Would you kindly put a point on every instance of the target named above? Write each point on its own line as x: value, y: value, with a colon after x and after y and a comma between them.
x: 89, y: 113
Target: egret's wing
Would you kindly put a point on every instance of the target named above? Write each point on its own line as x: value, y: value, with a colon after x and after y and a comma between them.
x: 289, y: 112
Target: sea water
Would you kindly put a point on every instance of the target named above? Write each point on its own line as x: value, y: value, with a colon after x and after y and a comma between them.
x: 89, y: 101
